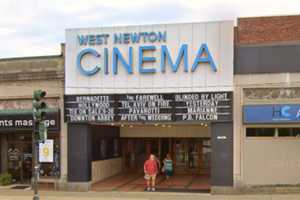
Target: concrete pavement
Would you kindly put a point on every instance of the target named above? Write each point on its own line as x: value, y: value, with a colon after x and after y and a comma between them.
x: 51, y: 195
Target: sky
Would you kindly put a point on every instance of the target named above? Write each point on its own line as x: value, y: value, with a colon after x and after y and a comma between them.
x: 37, y: 27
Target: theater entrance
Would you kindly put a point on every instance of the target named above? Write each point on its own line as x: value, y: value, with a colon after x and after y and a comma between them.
x: 188, y: 145
x: 189, y: 155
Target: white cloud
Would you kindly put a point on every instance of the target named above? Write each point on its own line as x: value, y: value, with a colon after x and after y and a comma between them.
x: 36, y: 27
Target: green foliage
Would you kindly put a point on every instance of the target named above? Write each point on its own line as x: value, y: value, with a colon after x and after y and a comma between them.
x: 5, y: 179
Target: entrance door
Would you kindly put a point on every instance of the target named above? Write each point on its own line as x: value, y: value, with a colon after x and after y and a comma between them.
x: 134, y: 154
x: 180, y: 155
x: 152, y: 146
x: 165, y: 148
x: 137, y: 150
x: 189, y: 156
x: 20, y: 158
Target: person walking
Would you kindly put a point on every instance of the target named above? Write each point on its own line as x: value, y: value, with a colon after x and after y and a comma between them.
x: 168, y: 166
x: 151, y: 170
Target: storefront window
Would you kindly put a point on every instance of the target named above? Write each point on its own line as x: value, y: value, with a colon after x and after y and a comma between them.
x: 19, y: 156
x: 273, y: 132
x: 289, y: 132
x: 260, y: 132
x: 52, y: 169
x: 283, y: 132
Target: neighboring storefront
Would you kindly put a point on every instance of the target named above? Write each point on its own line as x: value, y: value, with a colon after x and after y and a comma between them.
x: 267, y: 104
x: 131, y: 91
x: 16, y: 135
x: 19, y: 77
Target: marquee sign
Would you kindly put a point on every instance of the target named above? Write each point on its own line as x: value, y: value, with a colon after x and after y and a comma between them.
x: 155, y: 58
x: 167, y: 107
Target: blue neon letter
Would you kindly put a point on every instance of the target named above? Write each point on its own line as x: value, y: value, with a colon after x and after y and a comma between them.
x: 78, y: 62
x: 208, y: 59
x: 118, y: 56
x: 146, y: 59
x: 82, y: 39
x: 285, y: 111
x: 105, y: 60
x: 183, y: 52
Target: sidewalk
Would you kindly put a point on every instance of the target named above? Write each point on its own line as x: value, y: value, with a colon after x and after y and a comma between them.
x: 50, y: 195
x: 136, y: 183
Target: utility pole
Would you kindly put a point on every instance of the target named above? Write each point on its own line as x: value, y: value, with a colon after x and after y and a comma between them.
x: 39, y: 134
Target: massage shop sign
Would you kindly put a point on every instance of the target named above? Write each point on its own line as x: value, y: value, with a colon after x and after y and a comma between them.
x: 164, y: 58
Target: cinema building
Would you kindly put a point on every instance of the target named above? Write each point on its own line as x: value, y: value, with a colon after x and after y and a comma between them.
x: 223, y: 101
x: 131, y: 91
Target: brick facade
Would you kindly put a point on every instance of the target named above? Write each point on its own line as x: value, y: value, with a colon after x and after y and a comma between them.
x: 268, y: 30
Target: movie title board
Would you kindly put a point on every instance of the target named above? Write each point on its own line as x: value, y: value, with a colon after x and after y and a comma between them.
x: 203, y: 106
x: 90, y: 108
x: 145, y: 107
x: 215, y: 106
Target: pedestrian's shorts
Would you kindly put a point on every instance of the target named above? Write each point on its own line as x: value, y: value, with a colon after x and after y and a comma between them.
x: 148, y: 177
x: 169, y: 173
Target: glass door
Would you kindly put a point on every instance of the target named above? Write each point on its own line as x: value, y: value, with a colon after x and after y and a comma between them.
x: 181, y: 156
x: 19, y: 157
x: 14, y: 159
x: 20, y: 161
x: 206, y: 156
x: 134, y: 154
x: 27, y: 161
x: 188, y: 155
x: 193, y: 154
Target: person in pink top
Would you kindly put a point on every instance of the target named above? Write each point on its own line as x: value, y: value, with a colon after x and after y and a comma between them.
x: 151, y: 170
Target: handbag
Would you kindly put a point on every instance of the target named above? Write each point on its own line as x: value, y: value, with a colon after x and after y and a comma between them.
x: 147, y: 177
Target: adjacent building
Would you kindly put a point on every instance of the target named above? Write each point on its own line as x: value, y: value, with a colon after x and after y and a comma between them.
x: 19, y: 77
x: 266, y: 101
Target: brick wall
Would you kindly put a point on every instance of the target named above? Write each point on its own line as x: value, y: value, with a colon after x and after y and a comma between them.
x: 266, y: 30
